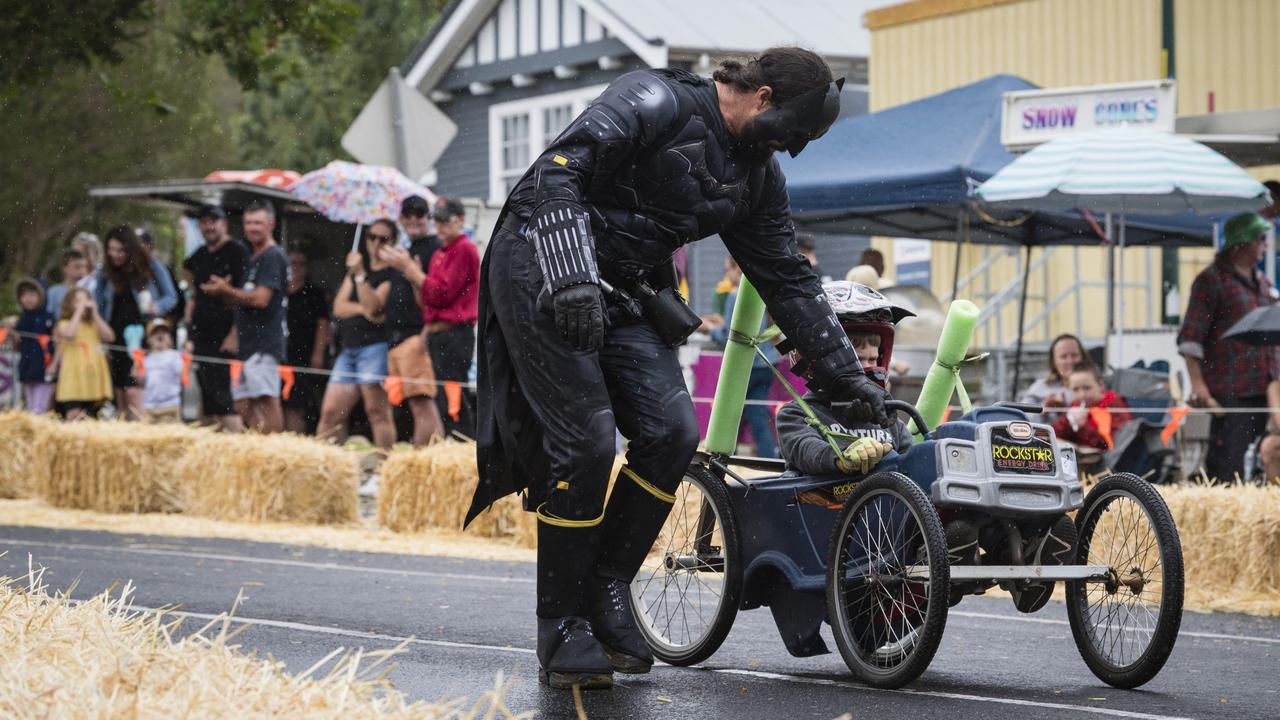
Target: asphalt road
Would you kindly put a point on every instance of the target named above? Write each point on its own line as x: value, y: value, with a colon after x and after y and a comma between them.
x: 470, y: 619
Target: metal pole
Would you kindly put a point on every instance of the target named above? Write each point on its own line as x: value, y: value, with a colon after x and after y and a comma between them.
x: 1120, y: 302
x: 962, y: 237
x: 1022, y: 314
x: 1111, y: 290
x: 397, y: 121
x: 1270, y: 262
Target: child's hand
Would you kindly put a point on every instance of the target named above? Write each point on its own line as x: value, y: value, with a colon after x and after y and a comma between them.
x: 1078, y: 416
x: 861, y: 456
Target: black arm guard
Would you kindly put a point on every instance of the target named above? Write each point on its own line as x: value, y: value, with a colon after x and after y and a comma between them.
x: 561, y: 235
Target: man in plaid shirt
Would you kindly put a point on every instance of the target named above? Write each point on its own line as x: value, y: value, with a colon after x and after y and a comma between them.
x: 1228, y: 373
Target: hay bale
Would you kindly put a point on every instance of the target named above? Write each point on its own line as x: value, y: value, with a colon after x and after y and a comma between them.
x: 260, y: 478
x: 432, y: 487
x: 1230, y: 545
x: 99, y: 658
x: 112, y: 466
x: 20, y: 430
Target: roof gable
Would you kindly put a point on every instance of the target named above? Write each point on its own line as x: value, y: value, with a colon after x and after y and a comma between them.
x: 471, y: 33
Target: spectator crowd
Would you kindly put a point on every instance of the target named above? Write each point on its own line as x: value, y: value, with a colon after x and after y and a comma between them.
x: 116, y: 334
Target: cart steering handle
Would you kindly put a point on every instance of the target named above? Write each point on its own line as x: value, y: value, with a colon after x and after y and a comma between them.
x: 911, y: 411
x: 892, y: 405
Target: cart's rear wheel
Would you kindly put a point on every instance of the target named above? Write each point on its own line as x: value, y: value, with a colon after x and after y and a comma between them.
x: 887, y: 581
x: 1125, y: 626
x: 685, y: 596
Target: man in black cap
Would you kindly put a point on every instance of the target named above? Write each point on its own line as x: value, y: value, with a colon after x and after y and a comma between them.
x: 579, y: 321
x: 407, y: 356
x: 211, y: 319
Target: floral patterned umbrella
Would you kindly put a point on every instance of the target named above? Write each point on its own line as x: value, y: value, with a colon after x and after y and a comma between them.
x: 349, y: 192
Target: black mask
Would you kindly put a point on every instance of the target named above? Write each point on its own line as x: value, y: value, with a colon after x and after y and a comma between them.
x: 796, y: 121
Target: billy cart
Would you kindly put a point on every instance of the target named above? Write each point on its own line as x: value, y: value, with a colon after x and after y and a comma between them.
x: 987, y: 500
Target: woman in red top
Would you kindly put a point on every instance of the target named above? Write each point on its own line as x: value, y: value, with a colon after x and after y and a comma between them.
x: 449, y: 308
x: 1077, y: 425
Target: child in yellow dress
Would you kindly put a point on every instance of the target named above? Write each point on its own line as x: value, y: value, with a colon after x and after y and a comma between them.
x: 84, y: 381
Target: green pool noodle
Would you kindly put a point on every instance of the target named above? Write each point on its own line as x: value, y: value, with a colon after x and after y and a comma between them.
x: 735, y: 371
x: 940, y: 383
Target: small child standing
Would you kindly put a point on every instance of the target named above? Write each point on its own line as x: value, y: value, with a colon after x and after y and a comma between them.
x: 84, y: 382
x: 37, y: 389
x: 1077, y: 425
x: 162, y: 379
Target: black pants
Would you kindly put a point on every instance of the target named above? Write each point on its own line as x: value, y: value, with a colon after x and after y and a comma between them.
x: 451, y: 351
x: 214, y: 379
x: 580, y: 401
x: 1231, y: 435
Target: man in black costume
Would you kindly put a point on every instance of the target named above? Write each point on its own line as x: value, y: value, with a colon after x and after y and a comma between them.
x: 578, y: 323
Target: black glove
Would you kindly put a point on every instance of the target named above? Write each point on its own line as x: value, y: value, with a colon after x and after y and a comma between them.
x: 865, y: 397
x: 579, y: 311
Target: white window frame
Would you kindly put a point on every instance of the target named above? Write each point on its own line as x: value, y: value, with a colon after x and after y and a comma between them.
x: 578, y: 98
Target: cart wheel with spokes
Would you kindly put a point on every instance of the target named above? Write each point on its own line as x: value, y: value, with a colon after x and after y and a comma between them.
x: 887, y: 581
x: 1125, y: 626
x: 686, y: 594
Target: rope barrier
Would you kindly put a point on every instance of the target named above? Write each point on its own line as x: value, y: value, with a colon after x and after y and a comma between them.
x: 375, y: 378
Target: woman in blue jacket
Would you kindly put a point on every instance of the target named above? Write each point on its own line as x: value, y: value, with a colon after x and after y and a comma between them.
x: 132, y: 289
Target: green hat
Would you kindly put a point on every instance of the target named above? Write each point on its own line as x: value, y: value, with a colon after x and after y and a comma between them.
x: 1244, y: 228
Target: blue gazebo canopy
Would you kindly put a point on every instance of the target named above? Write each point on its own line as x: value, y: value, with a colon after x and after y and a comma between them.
x: 911, y: 171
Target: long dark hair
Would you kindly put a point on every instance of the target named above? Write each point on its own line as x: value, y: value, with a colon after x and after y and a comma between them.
x: 364, y: 239
x: 789, y: 71
x: 136, y: 271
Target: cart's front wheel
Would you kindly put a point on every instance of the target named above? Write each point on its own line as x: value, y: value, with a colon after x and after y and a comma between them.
x: 685, y: 596
x: 1125, y: 626
x: 887, y: 581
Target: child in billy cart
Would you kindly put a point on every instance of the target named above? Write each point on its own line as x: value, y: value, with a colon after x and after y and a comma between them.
x: 868, y: 318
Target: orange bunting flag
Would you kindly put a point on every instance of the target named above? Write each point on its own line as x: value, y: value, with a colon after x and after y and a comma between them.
x: 186, y: 369
x: 237, y: 367
x: 286, y: 376
x: 453, y: 393
x: 1176, y: 416
x: 395, y: 389
x: 946, y: 415
x: 4, y: 334
x: 1102, y: 419
x: 44, y: 346
x: 139, y: 360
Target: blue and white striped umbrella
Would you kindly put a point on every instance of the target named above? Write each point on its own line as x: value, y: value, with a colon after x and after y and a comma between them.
x: 1124, y: 170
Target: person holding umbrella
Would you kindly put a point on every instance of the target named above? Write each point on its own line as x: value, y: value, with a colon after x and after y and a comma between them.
x: 1225, y: 372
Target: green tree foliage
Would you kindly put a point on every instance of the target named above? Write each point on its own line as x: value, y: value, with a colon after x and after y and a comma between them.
x: 39, y: 36
x: 296, y: 119
x: 109, y: 91
x: 161, y: 111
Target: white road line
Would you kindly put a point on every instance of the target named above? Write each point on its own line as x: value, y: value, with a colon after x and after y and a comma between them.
x: 1053, y: 621
x: 529, y: 581
x: 950, y: 695
x: 343, y: 632
x: 758, y: 674
x: 269, y: 561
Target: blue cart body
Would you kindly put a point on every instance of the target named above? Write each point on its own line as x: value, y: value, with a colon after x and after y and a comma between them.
x: 785, y: 533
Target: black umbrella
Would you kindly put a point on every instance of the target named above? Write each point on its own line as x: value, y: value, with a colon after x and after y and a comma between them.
x: 1261, y: 326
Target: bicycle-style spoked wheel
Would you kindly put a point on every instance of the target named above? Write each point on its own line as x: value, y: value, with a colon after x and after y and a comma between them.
x: 685, y: 596
x: 887, y: 581
x: 1125, y: 626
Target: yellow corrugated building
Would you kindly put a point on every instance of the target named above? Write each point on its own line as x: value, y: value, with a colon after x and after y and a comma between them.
x: 1221, y: 47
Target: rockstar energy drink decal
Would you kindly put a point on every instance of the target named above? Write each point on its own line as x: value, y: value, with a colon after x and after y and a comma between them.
x: 1030, y: 457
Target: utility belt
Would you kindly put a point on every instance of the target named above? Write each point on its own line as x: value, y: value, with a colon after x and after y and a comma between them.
x: 653, y: 298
